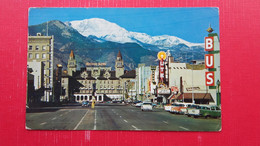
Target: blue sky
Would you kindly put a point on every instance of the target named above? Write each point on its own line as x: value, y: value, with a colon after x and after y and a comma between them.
x: 189, y: 24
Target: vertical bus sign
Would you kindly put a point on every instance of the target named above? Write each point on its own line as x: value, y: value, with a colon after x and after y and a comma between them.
x: 209, y: 61
x: 209, y: 44
x: 210, y: 77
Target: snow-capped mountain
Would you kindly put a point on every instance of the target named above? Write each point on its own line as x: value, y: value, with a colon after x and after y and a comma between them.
x: 109, y: 31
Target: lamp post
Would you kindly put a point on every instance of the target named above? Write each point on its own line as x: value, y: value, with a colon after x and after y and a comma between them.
x: 218, y: 94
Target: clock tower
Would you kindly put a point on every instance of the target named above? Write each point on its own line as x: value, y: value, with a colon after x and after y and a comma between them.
x: 119, y: 66
x: 71, y: 64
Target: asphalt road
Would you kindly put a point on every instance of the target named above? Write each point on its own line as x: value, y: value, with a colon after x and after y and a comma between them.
x: 114, y: 117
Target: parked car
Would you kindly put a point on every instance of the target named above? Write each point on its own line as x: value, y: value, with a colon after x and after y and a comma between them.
x: 85, y: 104
x: 154, y: 104
x: 138, y: 104
x: 183, y: 109
x: 176, y: 108
x: 204, y: 111
x: 147, y: 106
x: 168, y: 107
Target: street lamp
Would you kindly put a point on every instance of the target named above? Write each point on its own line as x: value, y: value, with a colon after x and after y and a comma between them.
x: 218, y: 94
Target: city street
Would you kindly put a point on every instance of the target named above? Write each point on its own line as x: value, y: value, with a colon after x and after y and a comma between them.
x: 114, y: 116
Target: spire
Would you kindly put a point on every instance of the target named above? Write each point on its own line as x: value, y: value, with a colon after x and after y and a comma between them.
x: 119, y: 54
x: 210, y: 30
x: 72, y: 55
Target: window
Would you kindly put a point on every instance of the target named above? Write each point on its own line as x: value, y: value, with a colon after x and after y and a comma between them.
x: 44, y: 55
x: 37, y: 56
x: 30, y: 47
x: 43, y: 47
x: 36, y: 47
x: 30, y: 55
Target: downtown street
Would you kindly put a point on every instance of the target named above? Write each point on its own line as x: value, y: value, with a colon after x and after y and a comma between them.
x: 114, y: 116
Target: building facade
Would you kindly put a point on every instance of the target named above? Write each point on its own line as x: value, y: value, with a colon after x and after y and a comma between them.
x: 40, y: 49
x: 99, y: 81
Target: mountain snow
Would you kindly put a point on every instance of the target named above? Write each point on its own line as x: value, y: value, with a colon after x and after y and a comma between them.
x: 109, y: 31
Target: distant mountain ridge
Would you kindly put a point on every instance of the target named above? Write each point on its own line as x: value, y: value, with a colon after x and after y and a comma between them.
x: 109, y: 31
x: 101, y: 48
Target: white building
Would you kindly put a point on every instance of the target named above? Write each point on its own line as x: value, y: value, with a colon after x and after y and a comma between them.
x: 38, y: 73
x: 143, y: 74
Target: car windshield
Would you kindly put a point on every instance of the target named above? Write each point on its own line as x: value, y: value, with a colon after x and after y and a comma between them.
x: 147, y: 103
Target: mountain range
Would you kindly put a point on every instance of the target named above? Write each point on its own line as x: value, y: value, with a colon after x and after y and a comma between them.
x: 98, y: 40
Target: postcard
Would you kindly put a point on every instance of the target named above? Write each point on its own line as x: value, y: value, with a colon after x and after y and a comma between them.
x: 155, y: 69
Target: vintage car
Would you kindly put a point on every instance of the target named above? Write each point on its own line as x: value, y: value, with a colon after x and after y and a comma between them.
x: 138, y: 104
x: 147, y: 106
x: 175, y: 108
x: 85, y: 104
x: 204, y: 111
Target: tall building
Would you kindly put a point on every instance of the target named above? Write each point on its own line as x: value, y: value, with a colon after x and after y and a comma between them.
x: 72, y: 66
x: 119, y: 66
x: 98, y: 80
x: 143, y: 76
x: 40, y: 49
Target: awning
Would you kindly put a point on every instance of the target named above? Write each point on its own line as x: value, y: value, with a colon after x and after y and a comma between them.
x: 171, y: 96
x: 197, y: 96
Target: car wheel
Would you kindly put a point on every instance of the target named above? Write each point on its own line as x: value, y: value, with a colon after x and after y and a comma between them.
x: 195, y: 116
x: 188, y: 115
x: 206, y: 116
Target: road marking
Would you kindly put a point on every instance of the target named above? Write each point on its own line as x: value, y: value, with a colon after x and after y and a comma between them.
x: 54, y: 118
x: 125, y: 121
x: 135, y: 127
x: 165, y: 122
x: 95, y: 122
x: 80, y: 121
x: 61, y: 115
x: 120, y: 116
x: 184, y: 128
x: 43, y: 123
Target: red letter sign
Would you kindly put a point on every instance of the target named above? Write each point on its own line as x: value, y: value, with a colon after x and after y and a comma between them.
x: 210, y: 77
x: 209, y: 43
x: 209, y: 60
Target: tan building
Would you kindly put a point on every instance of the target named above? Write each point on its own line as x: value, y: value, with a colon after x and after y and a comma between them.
x: 106, y: 83
x: 40, y: 49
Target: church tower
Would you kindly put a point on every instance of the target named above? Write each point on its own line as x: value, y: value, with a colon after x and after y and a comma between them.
x: 71, y: 64
x: 119, y: 66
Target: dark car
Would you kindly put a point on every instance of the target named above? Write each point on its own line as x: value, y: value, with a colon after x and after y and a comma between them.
x: 85, y: 104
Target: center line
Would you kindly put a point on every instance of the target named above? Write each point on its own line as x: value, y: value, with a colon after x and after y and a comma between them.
x: 53, y: 118
x: 80, y: 121
x: 43, y: 123
x: 95, y: 123
x: 165, y: 122
x: 184, y: 128
x: 135, y: 127
x: 126, y: 121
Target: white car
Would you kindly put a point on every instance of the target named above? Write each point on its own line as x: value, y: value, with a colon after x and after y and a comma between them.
x: 147, y: 106
x: 138, y: 104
